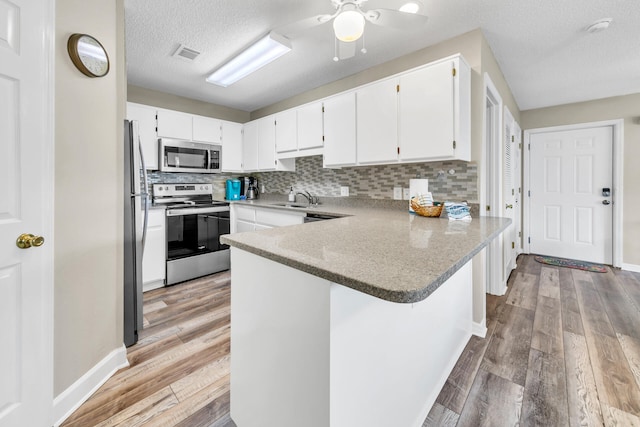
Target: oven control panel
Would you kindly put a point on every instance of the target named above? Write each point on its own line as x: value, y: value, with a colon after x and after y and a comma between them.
x: 170, y: 190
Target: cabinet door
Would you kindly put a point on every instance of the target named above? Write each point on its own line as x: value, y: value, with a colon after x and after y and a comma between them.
x: 154, y: 257
x: 286, y: 134
x: 266, y: 144
x: 427, y: 113
x: 340, y: 130
x: 207, y: 129
x: 250, y: 146
x: 174, y: 124
x: 278, y: 218
x: 242, y: 226
x: 231, y: 147
x: 146, y: 117
x: 310, y: 126
x: 377, y: 123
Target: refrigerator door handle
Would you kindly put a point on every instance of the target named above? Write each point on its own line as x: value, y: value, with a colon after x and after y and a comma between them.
x: 145, y: 196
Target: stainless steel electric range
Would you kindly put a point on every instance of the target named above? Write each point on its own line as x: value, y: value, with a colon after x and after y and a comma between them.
x: 195, y: 223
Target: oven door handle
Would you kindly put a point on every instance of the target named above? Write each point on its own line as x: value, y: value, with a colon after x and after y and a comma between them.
x: 196, y: 211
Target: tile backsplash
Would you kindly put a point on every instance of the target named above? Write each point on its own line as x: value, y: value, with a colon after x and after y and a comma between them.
x: 375, y: 182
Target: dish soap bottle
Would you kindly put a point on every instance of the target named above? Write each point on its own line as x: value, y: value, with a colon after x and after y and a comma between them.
x: 292, y: 197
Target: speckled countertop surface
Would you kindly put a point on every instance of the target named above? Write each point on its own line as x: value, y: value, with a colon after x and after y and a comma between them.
x: 387, y: 253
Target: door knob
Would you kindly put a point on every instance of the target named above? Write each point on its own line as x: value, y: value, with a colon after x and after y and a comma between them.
x: 606, y: 202
x: 25, y: 241
x: 509, y: 207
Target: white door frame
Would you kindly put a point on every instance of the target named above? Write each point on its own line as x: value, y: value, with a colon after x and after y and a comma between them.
x: 617, y: 190
x: 491, y: 183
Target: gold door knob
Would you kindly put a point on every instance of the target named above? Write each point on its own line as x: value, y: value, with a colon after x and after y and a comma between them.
x: 25, y: 241
x: 509, y: 206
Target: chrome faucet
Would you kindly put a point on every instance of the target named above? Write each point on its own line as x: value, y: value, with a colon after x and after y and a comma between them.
x: 312, y: 200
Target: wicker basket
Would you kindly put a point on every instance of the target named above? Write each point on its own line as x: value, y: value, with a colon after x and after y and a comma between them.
x: 430, y: 211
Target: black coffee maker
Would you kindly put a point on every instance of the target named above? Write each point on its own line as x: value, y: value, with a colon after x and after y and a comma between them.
x: 252, y: 189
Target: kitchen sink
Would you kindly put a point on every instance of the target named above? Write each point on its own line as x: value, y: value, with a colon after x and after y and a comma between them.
x: 290, y: 205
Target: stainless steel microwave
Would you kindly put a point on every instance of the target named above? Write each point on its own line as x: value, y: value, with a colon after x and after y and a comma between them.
x: 186, y: 156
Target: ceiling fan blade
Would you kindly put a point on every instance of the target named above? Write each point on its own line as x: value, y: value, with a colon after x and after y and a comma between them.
x: 304, y: 24
x: 346, y: 50
x: 395, y: 18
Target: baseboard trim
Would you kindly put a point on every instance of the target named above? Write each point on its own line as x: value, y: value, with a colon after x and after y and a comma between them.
x: 77, y: 393
x: 479, y: 329
x: 631, y: 267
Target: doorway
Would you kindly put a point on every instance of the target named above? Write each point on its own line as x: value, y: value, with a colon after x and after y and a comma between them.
x: 491, y: 197
x: 574, y: 202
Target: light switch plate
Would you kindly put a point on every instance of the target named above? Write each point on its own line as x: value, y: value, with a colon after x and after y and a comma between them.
x: 344, y: 191
x: 397, y: 193
x: 405, y: 193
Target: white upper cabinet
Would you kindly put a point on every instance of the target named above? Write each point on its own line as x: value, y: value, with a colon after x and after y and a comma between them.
x: 174, y: 124
x: 310, y: 126
x: 231, y: 147
x: 259, y: 147
x: 340, y: 130
x: 377, y: 122
x: 249, y: 146
x: 146, y: 117
x: 267, y: 143
x: 434, y: 111
x: 286, y: 131
x: 178, y: 125
x: 207, y: 129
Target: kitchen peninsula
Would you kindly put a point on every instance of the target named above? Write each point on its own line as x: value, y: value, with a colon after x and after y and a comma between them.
x: 352, y: 321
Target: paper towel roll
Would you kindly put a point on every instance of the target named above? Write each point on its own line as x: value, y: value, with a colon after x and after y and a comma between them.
x: 417, y: 186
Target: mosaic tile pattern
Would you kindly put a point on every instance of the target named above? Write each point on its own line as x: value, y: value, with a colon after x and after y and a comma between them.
x: 375, y: 182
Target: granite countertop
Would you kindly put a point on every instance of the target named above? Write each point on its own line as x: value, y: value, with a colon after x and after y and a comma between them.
x: 385, y: 252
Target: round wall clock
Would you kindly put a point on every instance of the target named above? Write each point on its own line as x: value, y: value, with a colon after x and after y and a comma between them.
x: 88, y: 55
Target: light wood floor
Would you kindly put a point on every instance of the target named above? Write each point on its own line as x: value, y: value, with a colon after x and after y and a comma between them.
x: 563, y: 348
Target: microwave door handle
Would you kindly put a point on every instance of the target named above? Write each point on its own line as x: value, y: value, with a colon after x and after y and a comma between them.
x: 208, y: 165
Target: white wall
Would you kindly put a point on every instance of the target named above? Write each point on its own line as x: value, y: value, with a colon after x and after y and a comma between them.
x: 88, y: 195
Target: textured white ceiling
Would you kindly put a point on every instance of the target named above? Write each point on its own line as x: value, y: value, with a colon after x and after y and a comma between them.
x: 541, y: 46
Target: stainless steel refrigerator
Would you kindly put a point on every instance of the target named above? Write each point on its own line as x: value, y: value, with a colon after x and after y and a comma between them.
x: 136, y: 215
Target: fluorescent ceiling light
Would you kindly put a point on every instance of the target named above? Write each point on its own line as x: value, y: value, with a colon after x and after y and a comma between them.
x: 256, y: 56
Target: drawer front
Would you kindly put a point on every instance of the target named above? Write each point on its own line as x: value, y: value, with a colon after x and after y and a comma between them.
x: 245, y: 214
x: 278, y: 218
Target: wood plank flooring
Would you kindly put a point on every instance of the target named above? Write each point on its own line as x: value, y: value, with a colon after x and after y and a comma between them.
x: 562, y: 349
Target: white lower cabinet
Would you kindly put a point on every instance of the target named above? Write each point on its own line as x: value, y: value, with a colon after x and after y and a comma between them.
x: 155, y: 256
x: 250, y: 218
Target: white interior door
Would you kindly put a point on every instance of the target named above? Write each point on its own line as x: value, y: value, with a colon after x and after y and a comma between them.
x: 26, y: 288
x: 517, y: 177
x: 571, y: 217
x: 508, y: 194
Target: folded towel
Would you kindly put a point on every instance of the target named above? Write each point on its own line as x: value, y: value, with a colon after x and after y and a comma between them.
x: 457, y: 211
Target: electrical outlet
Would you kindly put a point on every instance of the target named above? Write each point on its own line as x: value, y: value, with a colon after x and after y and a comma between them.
x: 405, y: 194
x: 344, y: 191
x: 397, y: 193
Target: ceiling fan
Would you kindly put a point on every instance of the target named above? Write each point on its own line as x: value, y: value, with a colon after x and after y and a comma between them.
x: 349, y: 21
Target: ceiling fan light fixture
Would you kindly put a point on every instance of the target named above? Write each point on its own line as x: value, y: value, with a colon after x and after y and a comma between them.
x: 267, y: 49
x: 410, y: 7
x: 349, y: 26
x: 599, y: 25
